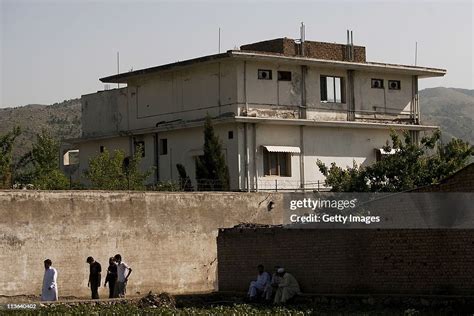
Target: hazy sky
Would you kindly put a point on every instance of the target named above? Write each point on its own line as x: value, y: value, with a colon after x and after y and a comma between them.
x: 57, y: 50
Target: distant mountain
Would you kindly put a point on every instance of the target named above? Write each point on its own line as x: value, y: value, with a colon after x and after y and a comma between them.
x: 450, y: 108
x: 62, y: 120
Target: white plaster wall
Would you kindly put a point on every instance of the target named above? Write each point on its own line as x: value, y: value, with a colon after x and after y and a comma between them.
x: 271, y: 92
x: 184, y: 94
x: 366, y: 97
x: 340, y: 145
x: 103, y: 113
x: 267, y: 94
x: 185, y: 144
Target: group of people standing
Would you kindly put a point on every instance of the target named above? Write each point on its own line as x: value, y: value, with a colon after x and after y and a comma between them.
x: 281, y: 286
x: 117, y: 276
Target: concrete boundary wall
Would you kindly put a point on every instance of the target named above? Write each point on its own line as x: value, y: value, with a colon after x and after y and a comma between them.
x: 169, y: 239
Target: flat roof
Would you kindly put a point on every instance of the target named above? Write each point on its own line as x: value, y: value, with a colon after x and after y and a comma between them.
x: 422, y: 72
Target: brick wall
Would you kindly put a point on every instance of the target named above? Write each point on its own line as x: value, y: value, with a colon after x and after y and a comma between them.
x: 319, y: 50
x: 346, y: 261
x: 383, y: 261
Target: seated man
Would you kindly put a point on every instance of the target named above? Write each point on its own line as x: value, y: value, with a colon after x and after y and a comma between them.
x: 273, y: 284
x: 287, y: 288
x: 258, y: 286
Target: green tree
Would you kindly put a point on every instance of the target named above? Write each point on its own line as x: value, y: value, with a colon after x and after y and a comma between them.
x: 411, y: 166
x: 117, y: 172
x: 211, y: 169
x: 6, y: 156
x: 184, y: 180
x: 40, y: 166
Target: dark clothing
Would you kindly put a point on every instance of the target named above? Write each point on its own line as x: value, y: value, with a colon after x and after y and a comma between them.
x: 95, y: 292
x: 111, y: 278
x: 94, y: 278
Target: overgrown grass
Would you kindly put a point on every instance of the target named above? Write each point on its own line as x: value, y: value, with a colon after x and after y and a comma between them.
x: 129, y: 309
x: 237, y: 309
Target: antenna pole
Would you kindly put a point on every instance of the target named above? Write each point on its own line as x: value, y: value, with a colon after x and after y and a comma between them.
x: 302, y: 37
x: 118, y: 67
x: 219, y: 48
x: 416, y: 52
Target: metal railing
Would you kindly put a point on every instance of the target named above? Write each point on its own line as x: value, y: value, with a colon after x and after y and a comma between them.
x: 291, y: 185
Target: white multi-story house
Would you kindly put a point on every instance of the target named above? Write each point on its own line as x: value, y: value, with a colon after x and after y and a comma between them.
x: 277, y: 106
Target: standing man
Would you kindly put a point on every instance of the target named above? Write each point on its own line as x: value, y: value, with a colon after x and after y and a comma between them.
x: 94, y: 277
x: 123, y: 272
x: 111, y: 277
x: 50, y: 286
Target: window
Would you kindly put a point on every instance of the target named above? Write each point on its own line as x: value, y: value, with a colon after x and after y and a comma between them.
x: 264, y: 74
x: 276, y: 164
x: 284, y: 76
x: 377, y: 83
x: 332, y: 89
x: 394, y: 85
x: 230, y: 134
x: 163, y: 146
x: 101, y: 149
x: 139, y: 144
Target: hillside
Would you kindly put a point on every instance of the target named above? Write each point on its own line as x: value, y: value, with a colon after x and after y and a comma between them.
x: 62, y: 120
x: 450, y: 108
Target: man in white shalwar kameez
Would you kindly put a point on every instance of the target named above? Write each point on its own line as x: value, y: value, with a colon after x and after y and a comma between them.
x: 287, y: 288
x: 259, y: 286
x: 276, y: 279
x: 50, y: 286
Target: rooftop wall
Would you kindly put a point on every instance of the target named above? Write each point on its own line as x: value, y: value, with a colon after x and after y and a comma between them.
x: 104, y: 112
x: 318, y: 50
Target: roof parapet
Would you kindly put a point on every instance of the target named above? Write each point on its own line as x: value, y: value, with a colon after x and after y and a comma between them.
x: 318, y: 50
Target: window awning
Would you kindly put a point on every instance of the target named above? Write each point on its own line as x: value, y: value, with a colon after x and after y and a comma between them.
x: 384, y: 152
x: 283, y: 149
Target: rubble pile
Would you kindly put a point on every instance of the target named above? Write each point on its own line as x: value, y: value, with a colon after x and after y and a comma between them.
x: 153, y: 300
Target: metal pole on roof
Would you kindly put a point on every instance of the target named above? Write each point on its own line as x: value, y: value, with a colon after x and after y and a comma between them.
x: 416, y: 52
x: 118, y: 67
x: 352, y: 47
x: 302, y: 37
x: 348, y: 47
x: 219, y: 48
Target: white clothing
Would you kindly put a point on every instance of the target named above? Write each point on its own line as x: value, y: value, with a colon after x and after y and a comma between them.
x: 122, y: 271
x: 260, y: 284
x: 50, y: 286
x: 269, y: 288
x: 287, y: 288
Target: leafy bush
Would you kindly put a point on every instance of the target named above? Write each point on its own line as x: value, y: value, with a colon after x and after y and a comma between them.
x: 117, y: 172
x: 411, y: 166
